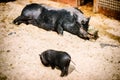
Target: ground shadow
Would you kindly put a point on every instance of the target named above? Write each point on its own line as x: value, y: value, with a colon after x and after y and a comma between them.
x: 71, y: 69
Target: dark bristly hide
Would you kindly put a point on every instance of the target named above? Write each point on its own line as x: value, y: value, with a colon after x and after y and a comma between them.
x: 71, y: 20
x: 56, y: 59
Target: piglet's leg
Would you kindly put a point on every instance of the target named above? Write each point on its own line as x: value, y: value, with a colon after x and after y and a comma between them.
x: 52, y: 66
x: 64, y: 72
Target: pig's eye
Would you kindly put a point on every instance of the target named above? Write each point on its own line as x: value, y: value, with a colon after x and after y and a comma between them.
x: 83, y: 22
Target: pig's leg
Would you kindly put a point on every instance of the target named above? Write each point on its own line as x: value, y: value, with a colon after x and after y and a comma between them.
x: 21, y: 19
x: 59, y: 29
x: 83, y: 34
x: 18, y: 20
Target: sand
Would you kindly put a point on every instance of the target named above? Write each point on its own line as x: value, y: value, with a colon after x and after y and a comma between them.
x: 20, y: 46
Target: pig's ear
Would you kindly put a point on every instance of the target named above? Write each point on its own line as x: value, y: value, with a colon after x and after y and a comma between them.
x: 86, y: 22
x: 88, y: 19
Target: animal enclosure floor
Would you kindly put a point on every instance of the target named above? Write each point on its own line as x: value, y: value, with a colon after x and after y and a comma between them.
x: 20, y: 46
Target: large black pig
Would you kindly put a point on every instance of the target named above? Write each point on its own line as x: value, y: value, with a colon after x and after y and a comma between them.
x: 58, y: 59
x: 68, y: 19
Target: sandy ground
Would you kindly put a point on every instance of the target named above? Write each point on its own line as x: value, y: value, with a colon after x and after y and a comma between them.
x: 20, y: 46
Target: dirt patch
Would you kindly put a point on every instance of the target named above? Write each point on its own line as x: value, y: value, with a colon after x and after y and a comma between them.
x: 21, y: 45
